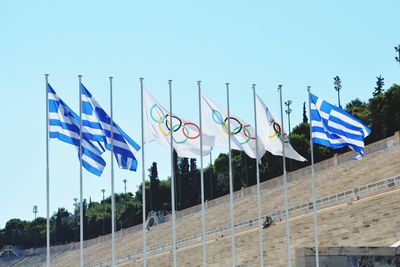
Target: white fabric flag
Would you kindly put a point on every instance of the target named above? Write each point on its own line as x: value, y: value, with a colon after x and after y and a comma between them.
x: 269, y: 131
x: 215, y: 121
x: 186, y: 134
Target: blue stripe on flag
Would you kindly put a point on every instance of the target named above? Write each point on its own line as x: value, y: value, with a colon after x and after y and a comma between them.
x: 66, y: 126
x: 91, y: 169
x: 87, y: 108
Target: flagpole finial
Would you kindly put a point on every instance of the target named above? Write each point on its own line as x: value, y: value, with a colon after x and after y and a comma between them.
x: 169, y: 81
x: 280, y: 87
x: 308, y: 88
x: 111, y: 77
x: 46, y: 75
x: 141, y: 78
x: 227, y: 84
x: 80, y: 76
x: 198, y: 82
x: 253, y: 86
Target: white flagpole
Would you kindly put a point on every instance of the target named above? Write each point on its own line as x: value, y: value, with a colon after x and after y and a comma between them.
x: 258, y: 182
x: 172, y: 175
x: 143, y: 182
x: 314, y: 191
x: 203, y: 224
x: 233, y: 247
x: 81, y: 174
x: 285, y: 182
x: 47, y: 176
x: 112, y: 179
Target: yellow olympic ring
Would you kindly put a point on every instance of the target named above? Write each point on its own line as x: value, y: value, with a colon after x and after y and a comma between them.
x: 273, y: 135
x: 161, y: 129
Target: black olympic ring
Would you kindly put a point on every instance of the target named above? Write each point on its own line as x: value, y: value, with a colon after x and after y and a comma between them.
x: 277, y: 128
x: 237, y: 129
x: 175, y: 128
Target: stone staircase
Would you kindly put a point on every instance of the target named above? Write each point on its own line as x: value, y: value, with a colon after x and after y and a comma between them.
x: 371, y: 220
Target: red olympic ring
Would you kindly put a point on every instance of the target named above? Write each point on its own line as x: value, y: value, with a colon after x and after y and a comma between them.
x: 245, y: 132
x: 186, y: 132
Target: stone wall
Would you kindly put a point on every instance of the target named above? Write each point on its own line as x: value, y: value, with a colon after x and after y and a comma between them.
x: 349, y: 257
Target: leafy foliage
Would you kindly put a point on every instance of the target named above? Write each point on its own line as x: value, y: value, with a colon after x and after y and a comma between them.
x: 379, y: 86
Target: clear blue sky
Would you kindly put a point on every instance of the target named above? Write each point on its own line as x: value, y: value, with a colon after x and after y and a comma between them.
x: 294, y: 43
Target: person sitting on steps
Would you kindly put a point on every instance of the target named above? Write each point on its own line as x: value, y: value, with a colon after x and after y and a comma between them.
x: 267, y: 222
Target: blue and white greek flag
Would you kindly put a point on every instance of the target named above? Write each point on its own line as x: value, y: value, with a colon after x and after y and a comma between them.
x: 335, y: 128
x: 64, y: 126
x: 97, y: 127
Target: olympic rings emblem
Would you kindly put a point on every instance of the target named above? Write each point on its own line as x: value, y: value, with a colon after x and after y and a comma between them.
x: 189, y: 130
x: 240, y: 131
x: 278, y: 132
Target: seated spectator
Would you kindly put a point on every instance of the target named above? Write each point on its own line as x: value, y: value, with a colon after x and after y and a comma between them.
x: 267, y: 222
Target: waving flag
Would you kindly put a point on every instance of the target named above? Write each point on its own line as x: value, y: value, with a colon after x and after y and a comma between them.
x: 216, y: 124
x: 97, y: 127
x: 186, y: 134
x: 64, y: 126
x: 270, y: 133
x: 335, y: 128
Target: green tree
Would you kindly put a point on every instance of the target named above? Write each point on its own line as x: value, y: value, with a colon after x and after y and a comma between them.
x: 384, y: 114
x: 154, y: 187
x: 63, y: 226
x: 221, y: 171
x: 305, y: 118
x: 379, y: 86
x: 359, y: 109
x: 177, y: 179
x: 209, y: 183
x: 138, y: 198
x: 94, y: 216
x: 244, y: 173
x: 165, y: 194
x: 392, y: 111
x: 192, y: 188
x: 14, y: 233
x: 183, y: 174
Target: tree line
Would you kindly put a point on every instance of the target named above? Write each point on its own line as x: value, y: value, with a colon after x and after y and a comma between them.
x: 381, y: 112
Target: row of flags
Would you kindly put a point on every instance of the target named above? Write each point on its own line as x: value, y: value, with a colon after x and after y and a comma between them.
x: 64, y: 125
x: 330, y: 126
x: 96, y: 131
x: 186, y: 134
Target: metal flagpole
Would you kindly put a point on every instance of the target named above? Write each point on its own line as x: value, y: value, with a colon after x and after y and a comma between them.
x: 47, y: 176
x: 313, y: 185
x: 203, y: 224
x: 233, y: 247
x: 143, y: 181
x: 172, y: 175
x: 258, y: 182
x: 81, y: 175
x: 285, y: 182
x: 112, y: 179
